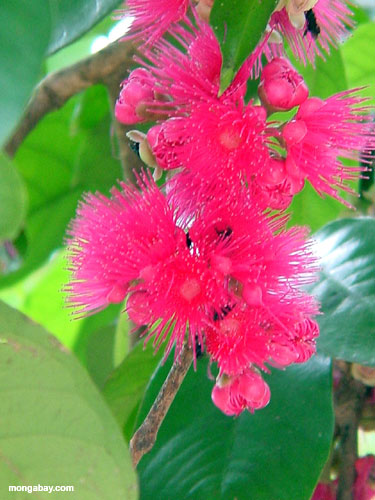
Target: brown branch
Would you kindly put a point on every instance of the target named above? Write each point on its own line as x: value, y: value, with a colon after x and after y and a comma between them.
x: 349, y: 401
x: 56, y: 88
x: 145, y: 437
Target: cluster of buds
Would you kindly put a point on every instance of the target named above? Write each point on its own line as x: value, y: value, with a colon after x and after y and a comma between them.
x: 207, y: 258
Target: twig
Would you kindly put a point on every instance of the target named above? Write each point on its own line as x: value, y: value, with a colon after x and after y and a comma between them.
x: 54, y: 90
x: 349, y: 401
x: 145, y: 437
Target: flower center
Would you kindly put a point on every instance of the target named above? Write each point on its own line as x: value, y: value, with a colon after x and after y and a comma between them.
x: 230, y: 139
x: 190, y: 289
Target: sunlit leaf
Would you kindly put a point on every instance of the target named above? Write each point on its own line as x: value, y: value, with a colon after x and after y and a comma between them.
x: 56, y: 429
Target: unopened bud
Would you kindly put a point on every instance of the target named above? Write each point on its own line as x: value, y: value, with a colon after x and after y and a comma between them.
x: 136, y: 92
x: 245, y: 391
x: 137, y: 308
x: 281, y: 86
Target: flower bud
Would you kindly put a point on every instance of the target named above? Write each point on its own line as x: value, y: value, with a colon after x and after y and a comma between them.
x: 248, y: 391
x: 137, y: 308
x: 136, y: 92
x: 164, y: 139
x: 281, y: 86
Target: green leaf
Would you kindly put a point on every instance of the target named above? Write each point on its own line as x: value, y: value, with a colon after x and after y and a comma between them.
x: 327, y: 78
x: 359, y: 58
x: 63, y: 157
x: 346, y: 290
x: 310, y: 209
x: 239, y: 26
x: 13, y: 199
x: 56, y: 429
x: 72, y: 18
x: 22, y: 50
x: 277, y: 453
x: 126, y: 386
x: 44, y: 231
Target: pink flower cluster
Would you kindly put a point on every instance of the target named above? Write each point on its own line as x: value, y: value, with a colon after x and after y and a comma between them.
x: 207, y: 259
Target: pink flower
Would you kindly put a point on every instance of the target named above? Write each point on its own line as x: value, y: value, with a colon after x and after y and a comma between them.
x: 179, y: 292
x: 216, y: 137
x: 252, y: 249
x: 188, y: 71
x: 247, y: 391
x: 267, y: 318
x: 131, y: 244
x: 364, y: 488
x: 325, y: 491
x: 136, y: 93
x: 333, y: 18
x: 323, y: 132
x: 153, y: 17
x: 185, y: 75
x: 281, y: 86
x: 112, y: 240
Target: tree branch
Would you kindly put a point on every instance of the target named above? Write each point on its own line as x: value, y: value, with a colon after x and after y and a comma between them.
x: 349, y: 401
x: 145, y: 437
x: 56, y: 88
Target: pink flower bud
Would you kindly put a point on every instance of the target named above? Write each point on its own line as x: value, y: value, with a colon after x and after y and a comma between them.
x: 164, y: 139
x: 325, y: 491
x: 117, y: 294
x: 281, y: 86
x: 137, y: 308
x: 364, y: 488
x: 136, y: 93
x: 294, y: 132
x: 221, y: 398
x: 309, y: 107
x: 306, y: 333
x: 274, y: 173
x: 248, y: 391
x: 282, y: 355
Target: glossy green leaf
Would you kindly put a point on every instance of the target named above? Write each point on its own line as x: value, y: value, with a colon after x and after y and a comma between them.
x: 72, y: 18
x: 13, y: 199
x: 56, y: 429
x: 346, y: 290
x: 59, y: 160
x: 24, y: 36
x: 239, y: 26
x: 359, y: 59
x: 125, y: 388
x: 277, y: 453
